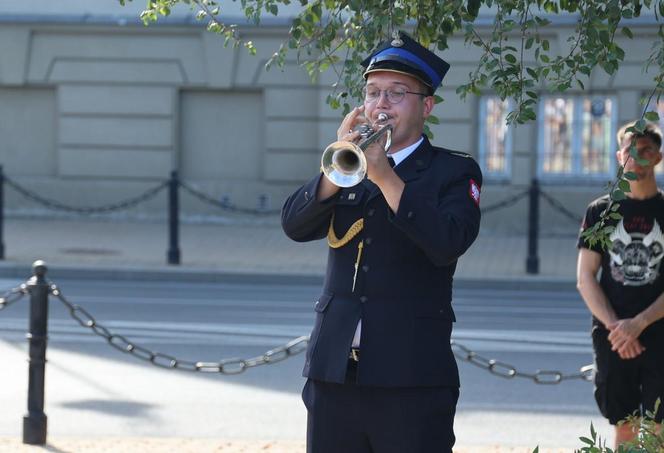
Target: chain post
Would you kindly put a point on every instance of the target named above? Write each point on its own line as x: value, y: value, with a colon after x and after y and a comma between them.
x: 2, y: 213
x: 173, y: 254
x: 34, y: 423
x: 532, y: 262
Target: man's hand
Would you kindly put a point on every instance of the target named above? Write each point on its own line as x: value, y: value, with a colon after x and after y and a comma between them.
x: 378, y: 167
x: 631, y: 350
x: 354, y: 117
x: 623, y: 332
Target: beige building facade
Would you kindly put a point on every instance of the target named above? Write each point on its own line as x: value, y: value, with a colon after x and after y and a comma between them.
x: 96, y: 108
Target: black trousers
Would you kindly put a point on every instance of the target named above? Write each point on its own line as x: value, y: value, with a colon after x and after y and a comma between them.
x: 349, y: 418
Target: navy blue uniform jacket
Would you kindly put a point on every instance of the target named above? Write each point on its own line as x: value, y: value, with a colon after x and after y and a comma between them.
x: 403, y: 290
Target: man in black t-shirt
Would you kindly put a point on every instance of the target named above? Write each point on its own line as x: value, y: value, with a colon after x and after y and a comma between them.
x: 627, y: 303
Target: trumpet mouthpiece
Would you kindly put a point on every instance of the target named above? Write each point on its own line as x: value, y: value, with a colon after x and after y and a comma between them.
x: 382, y: 117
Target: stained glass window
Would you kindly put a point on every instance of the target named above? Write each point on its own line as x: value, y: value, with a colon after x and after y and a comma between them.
x: 577, y: 137
x: 557, y: 135
x: 597, y: 136
x: 495, y: 138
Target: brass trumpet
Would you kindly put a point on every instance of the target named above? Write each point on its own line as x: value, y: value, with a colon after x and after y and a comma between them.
x: 344, y: 163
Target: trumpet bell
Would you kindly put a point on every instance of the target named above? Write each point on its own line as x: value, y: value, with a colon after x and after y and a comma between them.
x: 344, y: 164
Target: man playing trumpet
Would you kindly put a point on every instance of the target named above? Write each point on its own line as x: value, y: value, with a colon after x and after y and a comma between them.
x: 381, y: 374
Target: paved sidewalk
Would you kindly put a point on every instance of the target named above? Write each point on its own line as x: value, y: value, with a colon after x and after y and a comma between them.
x: 233, y: 249
x: 152, y: 445
x: 124, y: 249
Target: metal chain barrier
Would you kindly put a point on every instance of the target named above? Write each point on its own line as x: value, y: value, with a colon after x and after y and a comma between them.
x: 293, y: 347
x: 13, y: 295
x: 508, y: 371
x: 56, y: 205
x: 226, y: 366
x: 225, y: 206
x: 505, y: 203
x: 560, y: 207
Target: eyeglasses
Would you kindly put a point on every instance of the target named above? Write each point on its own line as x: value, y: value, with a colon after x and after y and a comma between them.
x: 394, y: 95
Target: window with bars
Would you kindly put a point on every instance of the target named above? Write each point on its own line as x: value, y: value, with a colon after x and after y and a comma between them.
x: 576, y: 137
x: 495, y: 139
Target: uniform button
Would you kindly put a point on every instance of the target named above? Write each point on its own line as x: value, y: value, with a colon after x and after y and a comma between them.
x: 365, y: 268
x: 364, y: 299
x: 371, y: 212
x: 306, y: 195
x: 410, y: 215
x: 368, y: 241
x: 317, y: 303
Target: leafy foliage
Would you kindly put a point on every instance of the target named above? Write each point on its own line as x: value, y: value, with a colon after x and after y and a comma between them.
x: 517, y: 59
x: 648, y: 439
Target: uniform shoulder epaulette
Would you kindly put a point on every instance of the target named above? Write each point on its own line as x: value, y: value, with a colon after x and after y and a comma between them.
x: 459, y: 153
x: 455, y: 153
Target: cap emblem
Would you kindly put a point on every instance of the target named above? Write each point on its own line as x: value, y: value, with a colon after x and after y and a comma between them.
x: 396, y: 42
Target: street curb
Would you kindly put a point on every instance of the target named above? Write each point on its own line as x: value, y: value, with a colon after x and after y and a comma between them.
x: 156, y: 274
x: 202, y: 275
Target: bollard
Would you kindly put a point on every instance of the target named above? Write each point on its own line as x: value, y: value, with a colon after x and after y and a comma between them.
x: 2, y: 213
x: 34, y: 423
x: 532, y: 262
x: 173, y: 254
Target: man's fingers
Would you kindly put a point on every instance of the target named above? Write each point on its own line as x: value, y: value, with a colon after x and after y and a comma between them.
x: 348, y: 122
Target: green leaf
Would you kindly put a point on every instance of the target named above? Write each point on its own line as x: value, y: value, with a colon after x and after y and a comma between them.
x: 532, y: 73
x: 623, y: 185
x: 630, y: 175
x: 618, y: 195
x: 473, y: 8
x: 627, y: 32
x: 510, y: 58
x: 585, y: 440
x: 652, y: 116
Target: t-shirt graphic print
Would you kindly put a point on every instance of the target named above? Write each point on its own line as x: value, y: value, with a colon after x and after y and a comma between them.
x: 636, y: 256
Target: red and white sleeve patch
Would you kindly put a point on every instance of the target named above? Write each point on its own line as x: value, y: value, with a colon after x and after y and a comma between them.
x: 474, y: 192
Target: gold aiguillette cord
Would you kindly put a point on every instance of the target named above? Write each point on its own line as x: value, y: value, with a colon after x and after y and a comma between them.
x: 334, y: 242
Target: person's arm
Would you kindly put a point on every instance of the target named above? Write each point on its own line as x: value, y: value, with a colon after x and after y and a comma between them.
x: 303, y: 216
x: 306, y: 214
x: 438, y: 213
x: 586, y: 275
x: 587, y: 266
x: 381, y: 174
x: 625, y: 330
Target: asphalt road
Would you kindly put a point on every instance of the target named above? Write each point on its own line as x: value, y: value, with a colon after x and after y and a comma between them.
x: 95, y: 390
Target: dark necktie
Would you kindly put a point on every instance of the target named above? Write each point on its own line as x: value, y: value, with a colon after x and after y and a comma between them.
x: 391, y: 161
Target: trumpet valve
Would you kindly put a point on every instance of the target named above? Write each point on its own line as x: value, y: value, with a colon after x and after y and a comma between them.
x: 364, y: 129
